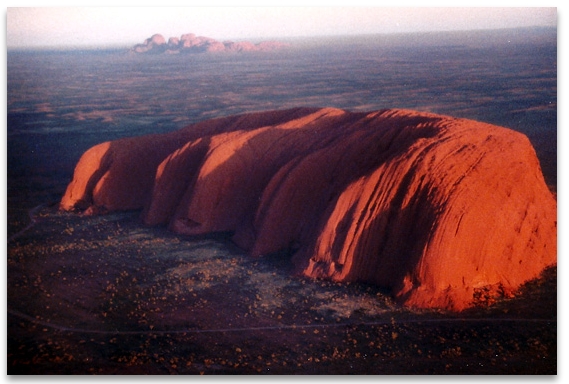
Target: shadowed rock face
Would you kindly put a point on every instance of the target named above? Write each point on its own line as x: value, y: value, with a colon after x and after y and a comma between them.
x: 432, y: 207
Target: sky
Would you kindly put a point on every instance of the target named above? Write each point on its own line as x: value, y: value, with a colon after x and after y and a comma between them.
x: 38, y: 26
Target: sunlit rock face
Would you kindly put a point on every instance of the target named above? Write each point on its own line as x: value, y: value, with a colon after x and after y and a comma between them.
x: 432, y: 207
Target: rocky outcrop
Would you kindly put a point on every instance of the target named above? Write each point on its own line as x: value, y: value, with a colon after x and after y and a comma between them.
x: 154, y: 44
x: 432, y: 207
x: 190, y: 43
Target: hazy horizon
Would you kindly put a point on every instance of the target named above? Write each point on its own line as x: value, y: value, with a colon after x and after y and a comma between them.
x: 29, y: 28
x: 449, y: 37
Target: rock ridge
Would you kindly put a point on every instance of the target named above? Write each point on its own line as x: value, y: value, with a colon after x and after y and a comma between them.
x: 190, y: 43
x: 432, y: 207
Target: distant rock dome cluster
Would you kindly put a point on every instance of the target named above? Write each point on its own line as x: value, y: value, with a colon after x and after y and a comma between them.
x: 190, y: 43
x: 432, y: 207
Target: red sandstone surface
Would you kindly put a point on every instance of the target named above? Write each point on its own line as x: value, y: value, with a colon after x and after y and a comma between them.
x: 433, y: 207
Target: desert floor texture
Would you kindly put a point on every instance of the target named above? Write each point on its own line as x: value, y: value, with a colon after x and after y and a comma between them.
x: 107, y: 295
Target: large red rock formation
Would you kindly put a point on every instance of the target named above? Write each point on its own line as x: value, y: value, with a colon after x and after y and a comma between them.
x: 433, y: 207
x: 190, y: 43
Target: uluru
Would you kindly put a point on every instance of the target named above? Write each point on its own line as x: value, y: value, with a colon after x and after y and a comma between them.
x: 433, y: 208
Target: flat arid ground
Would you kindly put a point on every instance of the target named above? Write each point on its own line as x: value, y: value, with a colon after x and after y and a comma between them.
x: 107, y: 295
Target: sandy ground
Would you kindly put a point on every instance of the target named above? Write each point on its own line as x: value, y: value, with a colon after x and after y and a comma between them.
x: 107, y: 295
